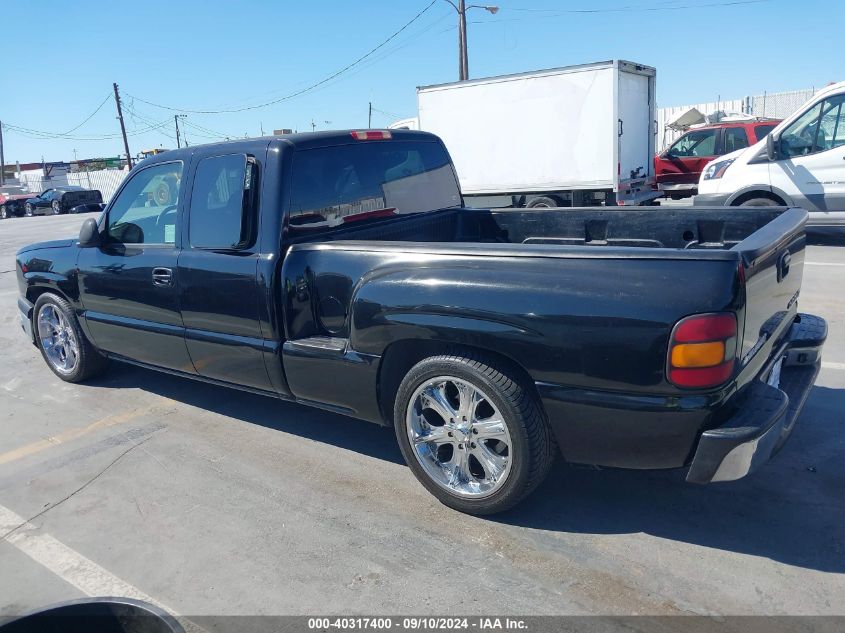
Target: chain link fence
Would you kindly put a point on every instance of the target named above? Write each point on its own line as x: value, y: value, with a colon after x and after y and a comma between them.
x: 106, y: 181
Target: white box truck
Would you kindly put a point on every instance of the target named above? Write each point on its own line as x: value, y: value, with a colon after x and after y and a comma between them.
x: 577, y: 135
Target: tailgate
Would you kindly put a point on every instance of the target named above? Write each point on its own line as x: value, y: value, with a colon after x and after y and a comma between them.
x: 773, y: 260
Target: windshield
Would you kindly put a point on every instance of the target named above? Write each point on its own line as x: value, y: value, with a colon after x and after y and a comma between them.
x: 333, y: 186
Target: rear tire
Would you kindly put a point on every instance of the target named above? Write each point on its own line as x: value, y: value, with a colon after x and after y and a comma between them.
x: 761, y: 202
x: 543, y: 202
x: 486, y: 461
x: 62, y: 343
x: 3, y: 215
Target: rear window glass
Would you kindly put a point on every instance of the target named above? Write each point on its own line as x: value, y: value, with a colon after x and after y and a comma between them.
x: 761, y: 131
x: 735, y: 138
x: 336, y: 186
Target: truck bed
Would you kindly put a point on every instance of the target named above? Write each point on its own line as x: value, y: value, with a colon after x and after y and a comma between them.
x: 694, y: 228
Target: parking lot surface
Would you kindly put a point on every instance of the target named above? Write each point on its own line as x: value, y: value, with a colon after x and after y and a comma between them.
x: 213, y: 501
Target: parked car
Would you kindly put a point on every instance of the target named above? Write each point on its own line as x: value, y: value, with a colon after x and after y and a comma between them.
x: 353, y: 280
x: 802, y: 162
x: 60, y: 200
x: 678, y: 168
x: 12, y: 200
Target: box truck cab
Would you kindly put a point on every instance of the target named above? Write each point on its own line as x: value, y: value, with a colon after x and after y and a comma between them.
x: 801, y: 163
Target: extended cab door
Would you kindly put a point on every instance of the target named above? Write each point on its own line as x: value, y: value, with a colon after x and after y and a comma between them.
x: 219, y: 295
x: 129, y: 284
x: 810, y: 165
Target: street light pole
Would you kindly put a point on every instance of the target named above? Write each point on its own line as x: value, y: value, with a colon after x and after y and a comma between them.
x: 463, y: 55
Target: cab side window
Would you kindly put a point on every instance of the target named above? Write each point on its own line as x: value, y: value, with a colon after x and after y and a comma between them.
x: 832, y: 125
x: 696, y: 143
x: 222, y: 201
x: 144, y: 211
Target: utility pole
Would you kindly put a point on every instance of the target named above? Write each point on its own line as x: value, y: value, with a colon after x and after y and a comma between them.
x: 122, y: 126
x: 370, y: 117
x: 463, y: 60
x: 2, y: 158
x: 463, y: 56
x: 176, y: 118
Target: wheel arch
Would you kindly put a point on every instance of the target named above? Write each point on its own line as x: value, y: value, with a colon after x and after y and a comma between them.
x: 401, y: 355
x: 759, y: 191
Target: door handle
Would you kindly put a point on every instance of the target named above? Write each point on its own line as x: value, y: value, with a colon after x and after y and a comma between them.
x: 162, y: 277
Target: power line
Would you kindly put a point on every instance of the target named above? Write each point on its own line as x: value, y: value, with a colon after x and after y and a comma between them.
x: 551, y: 13
x: 45, y: 134
x: 90, y: 116
x: 304, y: 90
x: 38, y: 135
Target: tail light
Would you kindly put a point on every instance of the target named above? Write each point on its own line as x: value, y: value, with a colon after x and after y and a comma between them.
x: 702, y: 350
x: 371, y: 135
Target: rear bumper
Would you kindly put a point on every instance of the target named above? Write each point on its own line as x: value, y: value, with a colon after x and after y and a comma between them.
x: 678, y: 187
x: 25, y: 309
x: 767, y: 415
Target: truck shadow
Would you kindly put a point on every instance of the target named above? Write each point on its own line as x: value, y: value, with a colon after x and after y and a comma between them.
x: 315, y: 424
x: 792, y: 510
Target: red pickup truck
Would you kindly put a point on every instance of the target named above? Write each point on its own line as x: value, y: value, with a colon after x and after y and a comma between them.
x: 678, y: 167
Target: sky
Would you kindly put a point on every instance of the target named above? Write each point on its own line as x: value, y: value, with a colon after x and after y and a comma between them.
x: 61, y: 59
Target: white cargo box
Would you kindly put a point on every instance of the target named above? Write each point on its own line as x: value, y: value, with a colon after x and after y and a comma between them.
x: 587, y: 127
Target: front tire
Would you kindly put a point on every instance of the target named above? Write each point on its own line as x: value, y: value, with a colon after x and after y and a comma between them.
x: 29, y: 210
x: 57, y: 207
x: 3, y: 214
x: 472, y: 433
x: 63, y: 344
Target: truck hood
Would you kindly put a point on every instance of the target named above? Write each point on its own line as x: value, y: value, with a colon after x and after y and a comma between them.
x: 50, y: 244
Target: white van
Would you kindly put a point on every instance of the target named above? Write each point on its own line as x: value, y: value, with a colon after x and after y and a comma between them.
x: 800, y: 163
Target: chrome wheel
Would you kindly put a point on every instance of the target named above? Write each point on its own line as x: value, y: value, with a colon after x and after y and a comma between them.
x: 57, y: 339
x: 459, y: 437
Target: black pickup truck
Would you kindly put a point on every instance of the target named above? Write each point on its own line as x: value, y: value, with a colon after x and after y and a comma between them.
x: 340, y: 270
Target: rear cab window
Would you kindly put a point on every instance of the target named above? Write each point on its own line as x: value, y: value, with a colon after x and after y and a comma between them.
x: 333, y: 187
x: 762, y: 131
x: 222, y: 213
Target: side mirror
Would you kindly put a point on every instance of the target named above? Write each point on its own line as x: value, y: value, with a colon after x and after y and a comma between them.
x: 770, y: 147
x: 89, y: 234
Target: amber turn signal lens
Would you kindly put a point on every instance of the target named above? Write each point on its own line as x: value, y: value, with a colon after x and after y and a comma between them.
x: 698, y: 354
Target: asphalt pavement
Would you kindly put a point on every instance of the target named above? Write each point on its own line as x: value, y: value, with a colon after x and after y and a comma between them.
x: 213, y: 501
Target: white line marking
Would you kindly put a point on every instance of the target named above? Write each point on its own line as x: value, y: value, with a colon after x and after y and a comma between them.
x: 73, y: 567
x: 831, y: 365
x: 823, y: 264
x: 67, y: 564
